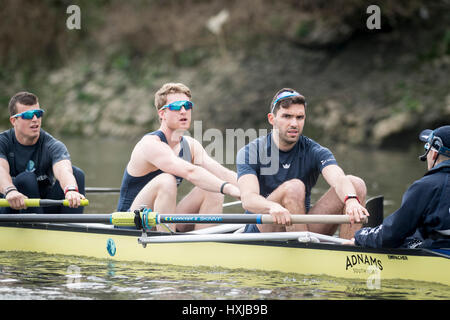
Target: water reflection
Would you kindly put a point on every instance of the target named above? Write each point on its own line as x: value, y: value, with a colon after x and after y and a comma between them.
x: 40, y: 276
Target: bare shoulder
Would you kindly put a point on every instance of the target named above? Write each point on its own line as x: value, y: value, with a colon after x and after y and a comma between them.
x: 149, y: 141
x: 145, y: 153
x: 150, y: 138
x: 194, y: 144
x: 146, y: 147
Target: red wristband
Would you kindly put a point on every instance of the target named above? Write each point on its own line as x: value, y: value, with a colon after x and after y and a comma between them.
x: 351, y: 196
x: 70, y: 188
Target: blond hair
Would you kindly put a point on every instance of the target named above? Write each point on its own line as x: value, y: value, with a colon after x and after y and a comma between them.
x: 168, y: 88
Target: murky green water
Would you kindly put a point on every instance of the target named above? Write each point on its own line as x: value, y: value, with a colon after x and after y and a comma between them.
x: 38, y: 276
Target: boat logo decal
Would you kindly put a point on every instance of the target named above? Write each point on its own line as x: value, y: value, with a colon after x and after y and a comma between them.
x: 358, y: 259
x: 111, y: 247
x: 397, y: 257
x: 181, y: 218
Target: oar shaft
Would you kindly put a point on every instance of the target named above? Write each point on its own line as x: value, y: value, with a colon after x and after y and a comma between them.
x: 251, y: 218
x: 44, y: 202
x: 56, y: 218
x: 102, y: 190
x: 150, y: 219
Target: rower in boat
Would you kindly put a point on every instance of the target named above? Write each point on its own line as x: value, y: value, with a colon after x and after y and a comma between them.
x: 161, y: 159
x: 33, y: 164
x: 277, y: 172
x: 423, y: 219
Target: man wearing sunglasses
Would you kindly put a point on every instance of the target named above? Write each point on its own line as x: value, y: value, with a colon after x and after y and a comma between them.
x: 423, y: 219
x: 33, y: 164
x: 276, y: 173
x: 161, y: 159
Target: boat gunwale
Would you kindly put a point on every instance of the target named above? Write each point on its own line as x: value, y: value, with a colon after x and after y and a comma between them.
x: 106, y: 229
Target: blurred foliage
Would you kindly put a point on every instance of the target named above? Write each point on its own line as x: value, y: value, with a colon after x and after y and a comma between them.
x: 142, y: 43
x: 34, y: 32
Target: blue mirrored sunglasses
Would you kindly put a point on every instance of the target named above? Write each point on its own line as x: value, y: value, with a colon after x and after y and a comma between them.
x: 176, y: 106
x: 283, y: 95
x: 28, y: 115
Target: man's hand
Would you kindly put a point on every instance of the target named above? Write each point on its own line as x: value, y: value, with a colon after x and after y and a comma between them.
x: 350, y: 242
x: 74, y: 198
x: 16, y: 200
x: 280, y: 214
x: 355, y: 211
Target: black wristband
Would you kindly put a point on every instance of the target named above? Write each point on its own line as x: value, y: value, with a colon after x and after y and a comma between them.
x: 9, y: 190
x: 223, y: 185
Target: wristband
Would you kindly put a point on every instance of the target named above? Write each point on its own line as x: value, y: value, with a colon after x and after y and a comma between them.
x: 9, y: 189
x: 223, y: 186
x: 351, y: 196
x: 70, y: 188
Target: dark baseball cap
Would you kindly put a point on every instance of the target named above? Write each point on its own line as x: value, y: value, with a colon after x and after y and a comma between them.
x: 443, y: 133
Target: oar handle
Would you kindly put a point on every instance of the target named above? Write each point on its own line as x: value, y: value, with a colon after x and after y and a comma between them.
x: 314, y: 218
x: 44, y: 202
x: 83, y: 202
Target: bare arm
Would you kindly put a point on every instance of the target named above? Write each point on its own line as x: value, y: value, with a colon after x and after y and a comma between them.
x: 64, y: 174
x: 5, y: 178
x: 337, y: 179
x: 161, y: 156
x: 252, y: 201
x: 15, y: 199
x: 202, y: 159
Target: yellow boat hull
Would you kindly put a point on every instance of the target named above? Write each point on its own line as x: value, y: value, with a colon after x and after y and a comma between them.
x: 372, y: 265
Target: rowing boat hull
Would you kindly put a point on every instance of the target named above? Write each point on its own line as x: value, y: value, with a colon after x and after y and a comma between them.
x: 281, y: 256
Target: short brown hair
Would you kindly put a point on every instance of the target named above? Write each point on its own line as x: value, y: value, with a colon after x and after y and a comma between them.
x: 286, y: 102
x: 25, y: 98
x: 168, y: 88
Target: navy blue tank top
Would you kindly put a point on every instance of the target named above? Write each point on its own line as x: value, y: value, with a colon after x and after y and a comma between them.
x: 131, y: 185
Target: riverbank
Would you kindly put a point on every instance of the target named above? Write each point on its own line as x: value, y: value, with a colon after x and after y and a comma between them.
x: 363, y: 88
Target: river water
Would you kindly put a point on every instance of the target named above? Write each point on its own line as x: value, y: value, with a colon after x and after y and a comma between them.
x: 37, y: 276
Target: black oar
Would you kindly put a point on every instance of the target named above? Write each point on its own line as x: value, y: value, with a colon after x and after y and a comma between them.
x: 375, y: 207
x: 55, y: 218
x: 101, y: 190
